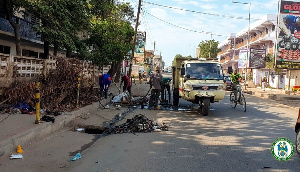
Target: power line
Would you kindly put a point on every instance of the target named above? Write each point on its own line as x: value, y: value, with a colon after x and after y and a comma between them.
x: 202, y: 32
x: 218, y: 15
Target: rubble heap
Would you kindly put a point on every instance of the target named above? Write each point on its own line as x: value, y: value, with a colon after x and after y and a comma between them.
x: 139, y: 123
x: 58, y: 90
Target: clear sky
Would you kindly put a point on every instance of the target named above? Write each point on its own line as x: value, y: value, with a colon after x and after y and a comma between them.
x: 176, y: 31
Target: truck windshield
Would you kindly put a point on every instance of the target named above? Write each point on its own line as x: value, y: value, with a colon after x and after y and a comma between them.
x: 207, y: 71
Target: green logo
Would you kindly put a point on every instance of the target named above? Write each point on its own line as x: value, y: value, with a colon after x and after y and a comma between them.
x: 282, y: 149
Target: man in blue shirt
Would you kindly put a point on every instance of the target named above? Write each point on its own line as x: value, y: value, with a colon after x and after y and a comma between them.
x: 104, y: 83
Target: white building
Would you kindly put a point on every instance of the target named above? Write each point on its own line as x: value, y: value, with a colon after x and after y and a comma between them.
x: 262, y: 35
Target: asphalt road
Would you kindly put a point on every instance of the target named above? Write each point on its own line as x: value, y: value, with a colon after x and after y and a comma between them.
x: 226, y: 140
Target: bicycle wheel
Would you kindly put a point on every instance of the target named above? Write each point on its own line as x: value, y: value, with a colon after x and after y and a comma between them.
x: 243, y: 102
x: 232, y: 102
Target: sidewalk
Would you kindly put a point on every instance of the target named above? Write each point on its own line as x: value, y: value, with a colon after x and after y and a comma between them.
x: 279, y: 95
x: 20, y: 129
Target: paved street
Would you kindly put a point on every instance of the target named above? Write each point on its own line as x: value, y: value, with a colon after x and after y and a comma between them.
x: 226, y: 140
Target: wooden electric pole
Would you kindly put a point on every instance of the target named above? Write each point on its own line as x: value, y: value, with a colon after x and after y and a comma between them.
x: 134, y: 36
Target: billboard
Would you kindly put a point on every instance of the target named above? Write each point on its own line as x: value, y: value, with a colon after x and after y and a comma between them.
x: 288, y: 36
x: 140, y: 46
x: 257, y: 58
x: 242, y: 63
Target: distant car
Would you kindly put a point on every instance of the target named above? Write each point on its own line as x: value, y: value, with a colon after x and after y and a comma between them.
x: 297, y: 130
x: 228, y: 83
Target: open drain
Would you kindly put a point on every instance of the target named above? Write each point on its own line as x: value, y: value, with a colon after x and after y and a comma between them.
x: 139, y: 123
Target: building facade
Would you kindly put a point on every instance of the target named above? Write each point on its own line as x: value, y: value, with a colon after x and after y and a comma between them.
x: 262, y: 44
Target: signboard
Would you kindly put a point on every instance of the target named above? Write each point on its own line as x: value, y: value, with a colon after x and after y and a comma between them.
x: 242, y: 63
x: 140, y: 46
x: 257, y: 58
x: 288, y: 36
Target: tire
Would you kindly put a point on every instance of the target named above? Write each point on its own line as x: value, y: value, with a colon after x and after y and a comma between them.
x: 205, y: 107
x: 243, y: 102
x: 231, y: 99
x: 297, y: 145
x: 176, y: 97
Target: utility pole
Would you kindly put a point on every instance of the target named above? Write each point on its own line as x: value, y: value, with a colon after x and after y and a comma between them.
x: 153, y: 57
x: 134, y: 36
x: 210, y: 45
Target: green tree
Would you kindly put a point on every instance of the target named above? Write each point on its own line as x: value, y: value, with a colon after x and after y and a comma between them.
x: 178, y: 56
x: 12, y: 7
x: 61, y: 22
x: 110, y: 33
x: 270, y: 61
x: 209, y: 49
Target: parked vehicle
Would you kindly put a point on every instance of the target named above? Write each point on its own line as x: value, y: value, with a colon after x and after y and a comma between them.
x: 228, y: 83
x: 199, y: 81
x: 297, y: 130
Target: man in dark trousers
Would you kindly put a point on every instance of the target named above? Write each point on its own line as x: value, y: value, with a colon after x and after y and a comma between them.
x: 104, y: 83
x: 155, y: 84
x: 235, y: 79
x: 127, y: 84
x: 165, y: 89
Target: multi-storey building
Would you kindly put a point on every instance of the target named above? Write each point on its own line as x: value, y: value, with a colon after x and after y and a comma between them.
x: 31, y: 62
x: 262, y: 36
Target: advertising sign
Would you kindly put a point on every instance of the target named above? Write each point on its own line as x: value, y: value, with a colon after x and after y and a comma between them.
x: 288, y: 36
x: 257, y: 58
x: 140, y: 46
x: 242, y: 63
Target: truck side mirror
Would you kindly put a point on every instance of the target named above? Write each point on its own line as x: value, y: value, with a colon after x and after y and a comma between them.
x: 182, y: 71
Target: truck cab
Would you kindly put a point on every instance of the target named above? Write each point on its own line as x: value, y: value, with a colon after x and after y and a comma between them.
x: 200, y: 81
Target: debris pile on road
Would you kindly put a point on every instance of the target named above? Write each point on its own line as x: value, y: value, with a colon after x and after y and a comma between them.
x: 58, y: 89
x: 139, y: 123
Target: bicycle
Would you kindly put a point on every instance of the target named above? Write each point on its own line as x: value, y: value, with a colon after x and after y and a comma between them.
x: 242, y: 101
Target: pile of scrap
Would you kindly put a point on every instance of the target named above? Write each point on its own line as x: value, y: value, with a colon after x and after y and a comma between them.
x: 58, y: 90
x: 139, y: 123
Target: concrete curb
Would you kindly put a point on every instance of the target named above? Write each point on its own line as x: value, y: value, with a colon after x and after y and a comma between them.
x: 24, y: 138
x: 9, y: 145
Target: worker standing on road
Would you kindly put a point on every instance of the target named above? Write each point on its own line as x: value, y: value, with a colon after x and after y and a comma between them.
x: 127, y: 83
x: 155, y: 84
x: 165, y: 87
x: 140, y: 76
x: 264, y: 83
x: 104, y: 83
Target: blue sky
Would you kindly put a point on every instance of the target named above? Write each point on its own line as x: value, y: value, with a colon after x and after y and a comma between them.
x: 167, y: 25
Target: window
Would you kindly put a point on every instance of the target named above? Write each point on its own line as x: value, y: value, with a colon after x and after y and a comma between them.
x: 4, y: 49
x: 29, y: 53
x: 2, y: 13
x: 204, y: 71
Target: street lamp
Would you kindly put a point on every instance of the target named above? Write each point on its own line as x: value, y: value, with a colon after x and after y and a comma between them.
x: 246, y: 3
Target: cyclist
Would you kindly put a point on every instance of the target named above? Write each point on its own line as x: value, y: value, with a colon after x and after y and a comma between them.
x: 236, y: 78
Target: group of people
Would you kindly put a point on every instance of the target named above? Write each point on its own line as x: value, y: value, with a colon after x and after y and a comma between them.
x: 157, y: 86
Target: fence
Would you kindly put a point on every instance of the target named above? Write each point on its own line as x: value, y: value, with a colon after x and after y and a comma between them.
x: 18, y: 68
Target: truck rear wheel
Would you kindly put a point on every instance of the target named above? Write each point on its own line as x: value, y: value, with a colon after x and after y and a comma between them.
x: 176, y: 97
x: 205, y: 106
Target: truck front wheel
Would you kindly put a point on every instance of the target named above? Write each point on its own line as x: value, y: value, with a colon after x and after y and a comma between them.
x: 204, y: 105
x: 176, y: 97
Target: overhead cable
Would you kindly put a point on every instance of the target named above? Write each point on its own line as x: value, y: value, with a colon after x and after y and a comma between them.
x: 218, y: 15
x: 202, y: 32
